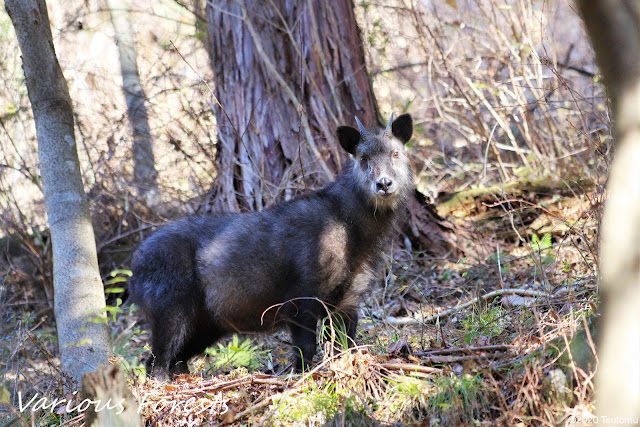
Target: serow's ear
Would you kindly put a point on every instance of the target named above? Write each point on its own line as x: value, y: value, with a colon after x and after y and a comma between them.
x: 349, y: 138
x: 402, y: 128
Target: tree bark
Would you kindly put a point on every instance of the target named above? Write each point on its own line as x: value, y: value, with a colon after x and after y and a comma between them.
x: 78, y: 290
x: 144, y: 171
x: 116, y: 405
x: 614, y: 29
x: 287, y: 73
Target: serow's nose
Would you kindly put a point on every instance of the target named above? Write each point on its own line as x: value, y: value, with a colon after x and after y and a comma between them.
x: 384, y: 184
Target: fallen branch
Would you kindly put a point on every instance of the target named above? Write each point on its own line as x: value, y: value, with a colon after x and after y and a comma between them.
x: 404, y: 321
x: 452, y: 359
x: 449, y: 355
x: 486, y: 348
x: 410, y: 367
x: 251, y: 379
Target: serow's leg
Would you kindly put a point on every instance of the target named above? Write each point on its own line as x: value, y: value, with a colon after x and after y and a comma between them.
x: 196, y: 343
x: 303, y: 336
x: 168, y: 339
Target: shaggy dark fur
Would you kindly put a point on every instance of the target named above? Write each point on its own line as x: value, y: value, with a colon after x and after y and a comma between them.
x: 201, y: 277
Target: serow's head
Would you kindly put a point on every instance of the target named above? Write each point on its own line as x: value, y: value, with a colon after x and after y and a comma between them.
x: 381, y: 168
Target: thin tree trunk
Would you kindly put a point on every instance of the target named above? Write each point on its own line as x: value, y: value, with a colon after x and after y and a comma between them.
x: 614, y: 29
x: 144, y: 171
x: 78, y: 290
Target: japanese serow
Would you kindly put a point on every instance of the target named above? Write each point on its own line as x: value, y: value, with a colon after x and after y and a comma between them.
x: 202, y: 277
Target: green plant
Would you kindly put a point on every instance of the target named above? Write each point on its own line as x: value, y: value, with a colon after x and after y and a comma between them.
x: 237, y: 354
x: 117, y: 276
x: 320, y: 404
x: 540, y: 244
x: 408, y: 398
x: 113, y: 310
x: 490, y: 322
x: 334, y: 330
x: 458, y: 396
x: 123, y: 346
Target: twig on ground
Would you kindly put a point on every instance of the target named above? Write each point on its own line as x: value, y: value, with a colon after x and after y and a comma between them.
x: 410, y: 367
x: 404, y: 321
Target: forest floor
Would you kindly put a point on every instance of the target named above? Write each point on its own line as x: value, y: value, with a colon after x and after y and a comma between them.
x: 495, y: 339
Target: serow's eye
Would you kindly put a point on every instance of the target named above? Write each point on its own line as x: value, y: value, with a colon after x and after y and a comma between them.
x: 396, y: 154
x: 364, y: 159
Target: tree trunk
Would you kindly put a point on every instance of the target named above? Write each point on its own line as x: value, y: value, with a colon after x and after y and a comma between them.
x: 78, y: 290
x: 144, y: 171
x: 614, y: 29
x: 116, y: 405
x: 287, y: 73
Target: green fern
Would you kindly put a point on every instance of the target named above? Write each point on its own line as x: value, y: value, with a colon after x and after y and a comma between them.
x: 237, y: 354
x: 541, y: 244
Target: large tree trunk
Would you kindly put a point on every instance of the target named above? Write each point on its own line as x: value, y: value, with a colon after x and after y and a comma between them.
x: 287, y: 73
x: 614, y: 29
x: 144, y: 171
x: 78, y: 290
